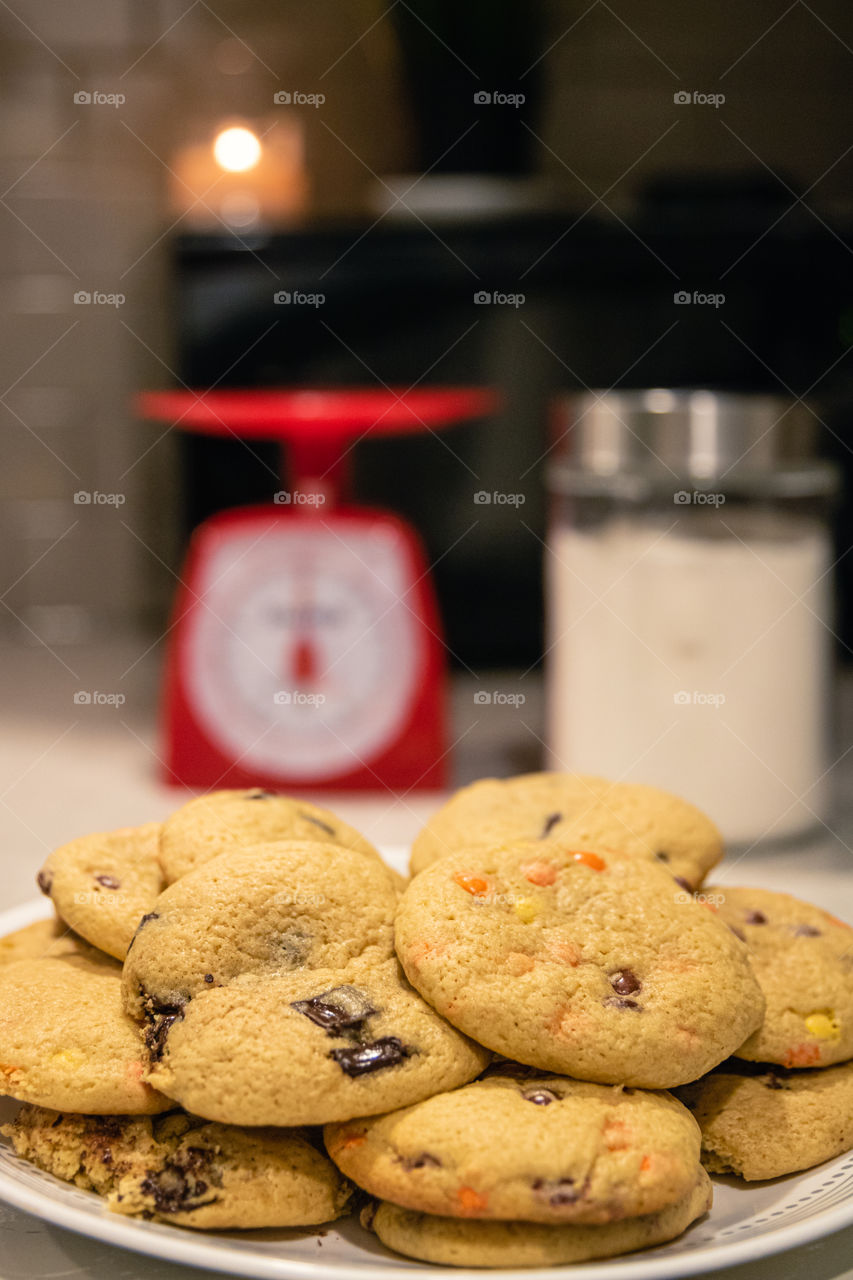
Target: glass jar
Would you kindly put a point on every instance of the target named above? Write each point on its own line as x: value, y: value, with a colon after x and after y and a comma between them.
x: 688, y: 583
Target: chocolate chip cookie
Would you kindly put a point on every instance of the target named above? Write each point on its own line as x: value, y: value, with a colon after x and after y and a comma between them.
x: 765, y: 1122
x: 65, y: 1041
x: 101, y: 885
x: 457, y: 1243
x: 178, y: 1169
x: 590, y: 964
x: 269, y: 992
x: 559, y: 1151
x: 211, y: 824
x: 585, y: 812
x: 803, y: 959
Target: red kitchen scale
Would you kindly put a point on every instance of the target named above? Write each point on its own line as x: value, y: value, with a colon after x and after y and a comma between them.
x: 305, y: 648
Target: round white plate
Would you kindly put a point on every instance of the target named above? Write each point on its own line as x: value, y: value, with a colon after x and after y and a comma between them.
x: 746, y: 1222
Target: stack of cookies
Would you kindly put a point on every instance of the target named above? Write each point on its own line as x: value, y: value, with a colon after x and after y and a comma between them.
x: 486, y: 1047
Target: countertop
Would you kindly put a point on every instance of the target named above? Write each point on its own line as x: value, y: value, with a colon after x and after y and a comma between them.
x: 69, y: 768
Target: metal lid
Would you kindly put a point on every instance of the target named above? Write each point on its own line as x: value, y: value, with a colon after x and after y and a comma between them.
x: 696, y: 435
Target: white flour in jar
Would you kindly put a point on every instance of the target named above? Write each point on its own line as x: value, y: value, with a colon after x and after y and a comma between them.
x: 695, y: 663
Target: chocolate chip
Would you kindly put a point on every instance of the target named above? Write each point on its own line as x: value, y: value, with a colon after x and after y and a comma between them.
x: 44, y: 880
x: 550, y: 822
x: 738, y: 933
x: 684, y: 884
x: 617, y: 1003
x: 161, y: 1018
x: 624, y: 982
x: 318, y: 822
x: 337, y: 1009
x: 108, y: 1127
x: 259, y: 794
x: 540, y: 1097
x: 359, y: 1059
x: 560, y: 1192
x: 173, y: 1192
x: 755, y: 917
x: 208, y: 977
x: 419, y: 1162
x: 152, y: 915
x: 662, y: 856
x: 806, y: 931
x: 109, y: 882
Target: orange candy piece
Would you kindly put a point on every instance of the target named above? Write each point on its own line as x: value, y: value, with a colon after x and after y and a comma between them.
x: 589, y: 860
x: 802, y: 1055
x: 475, y: 885
x: 541, y: 873
x: 471, y: 1200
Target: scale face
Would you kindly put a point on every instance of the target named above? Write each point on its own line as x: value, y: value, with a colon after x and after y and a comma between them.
x: 305, y: 652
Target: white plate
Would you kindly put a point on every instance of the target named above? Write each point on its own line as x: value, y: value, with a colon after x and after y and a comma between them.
x: 746, y: 1222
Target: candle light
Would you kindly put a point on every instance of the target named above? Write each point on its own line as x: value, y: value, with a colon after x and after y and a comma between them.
x: 245, y: 174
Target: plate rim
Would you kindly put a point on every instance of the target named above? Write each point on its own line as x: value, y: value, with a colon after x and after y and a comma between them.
x: 202, y: 1250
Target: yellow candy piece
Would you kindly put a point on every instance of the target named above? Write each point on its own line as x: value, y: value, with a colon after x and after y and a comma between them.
x: 67, y: 1058
x: 823, y: 1025
x: 526, y: 909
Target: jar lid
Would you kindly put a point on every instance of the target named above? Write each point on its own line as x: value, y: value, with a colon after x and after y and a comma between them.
x: 698, y: 435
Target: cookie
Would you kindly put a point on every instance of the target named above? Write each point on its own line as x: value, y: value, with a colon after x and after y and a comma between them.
x: 455, y: 1242
x: 588, y: 964
x: 765, y: 1122
x: 586, y: 812
x: 803, y: 959
x: 101, y: 885
x: 65, y: 1041
x: 270, y: 993
x: 42, y: 940
x: 181, y: 1170
x: 558, y: 1151
x: 211, y: 824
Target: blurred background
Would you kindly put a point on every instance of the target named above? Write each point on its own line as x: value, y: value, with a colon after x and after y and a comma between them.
x: 540, y: 197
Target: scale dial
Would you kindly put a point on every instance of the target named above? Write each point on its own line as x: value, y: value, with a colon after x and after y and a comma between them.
x: 302, y: 655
